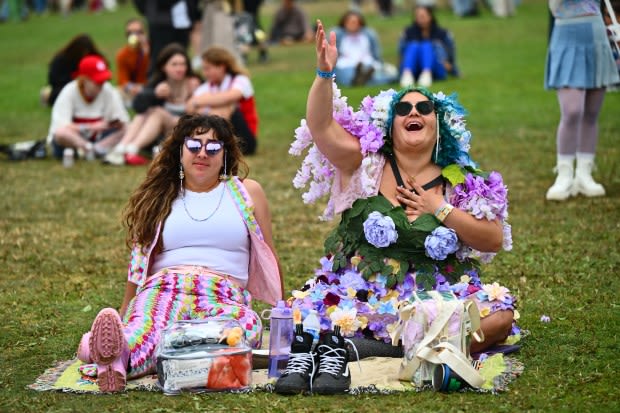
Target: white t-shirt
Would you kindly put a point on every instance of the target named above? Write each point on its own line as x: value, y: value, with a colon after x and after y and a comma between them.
x: 241, y: 83
x: 355, y: 49
x: 70, y: 107
x: 221, y: 243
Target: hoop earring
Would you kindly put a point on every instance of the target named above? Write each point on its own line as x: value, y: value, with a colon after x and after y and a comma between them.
x: 437, y: 142
x: 224, y: 175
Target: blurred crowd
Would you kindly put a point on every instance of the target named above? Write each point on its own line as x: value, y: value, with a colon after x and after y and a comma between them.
x: 191, y: 56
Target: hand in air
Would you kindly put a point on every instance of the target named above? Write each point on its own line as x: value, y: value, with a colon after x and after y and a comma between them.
x: 326, y: 50
x: 421, y: 203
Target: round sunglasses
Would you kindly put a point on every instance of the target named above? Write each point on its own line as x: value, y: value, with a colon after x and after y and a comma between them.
x: 212, y: 147
x: 403, y: 108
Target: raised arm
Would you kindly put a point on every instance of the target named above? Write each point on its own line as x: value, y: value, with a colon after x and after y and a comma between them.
x: 339, y: 146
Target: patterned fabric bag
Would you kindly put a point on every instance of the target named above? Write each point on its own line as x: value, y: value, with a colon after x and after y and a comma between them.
x: 436, y: 328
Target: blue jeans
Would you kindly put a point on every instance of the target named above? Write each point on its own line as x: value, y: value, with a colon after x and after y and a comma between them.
x: 463, y: 7
x: 419, y: 56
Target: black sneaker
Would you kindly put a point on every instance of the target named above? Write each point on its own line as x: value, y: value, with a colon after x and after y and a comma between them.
x: 333, y: 376
x: 300, y: 368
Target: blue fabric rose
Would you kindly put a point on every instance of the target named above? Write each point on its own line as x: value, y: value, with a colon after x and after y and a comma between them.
x: 380, y: 230
x: 441, y: 242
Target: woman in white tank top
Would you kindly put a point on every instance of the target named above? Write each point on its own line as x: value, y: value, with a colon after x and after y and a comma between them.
x: 202, y: 246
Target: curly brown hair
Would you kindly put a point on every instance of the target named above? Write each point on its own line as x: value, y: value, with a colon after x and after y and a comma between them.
x: 151, y: 202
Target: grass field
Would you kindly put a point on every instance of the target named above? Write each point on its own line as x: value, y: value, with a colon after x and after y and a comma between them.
x: 62, y: 252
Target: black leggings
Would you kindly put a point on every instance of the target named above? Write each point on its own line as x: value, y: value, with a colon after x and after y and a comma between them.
x: 247, y: 140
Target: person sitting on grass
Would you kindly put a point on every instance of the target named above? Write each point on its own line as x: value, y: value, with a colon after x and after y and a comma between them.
x: 416, y: 214
x: 202, y: 247
x: 360, y: 61
x: 62, y: 67
x: 228, y: 92
x: 290, y: 25
x: 88, y: 116
x: 426, y: 50
x: 158, y: 106
x: 132, y: 61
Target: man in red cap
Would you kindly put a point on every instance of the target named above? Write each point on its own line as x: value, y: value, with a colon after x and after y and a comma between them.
x: 88, y: 115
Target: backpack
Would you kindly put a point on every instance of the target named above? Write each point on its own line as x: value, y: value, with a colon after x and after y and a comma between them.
x: 436, y: 329
x: 25, y: 150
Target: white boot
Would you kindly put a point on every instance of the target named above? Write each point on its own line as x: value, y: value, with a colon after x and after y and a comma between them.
x: 426, y: 79
x: 562, y: 187
x: 407, y: 79
x: 583, y: 183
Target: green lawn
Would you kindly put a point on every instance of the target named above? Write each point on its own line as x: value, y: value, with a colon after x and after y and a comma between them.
x: 63, y: 257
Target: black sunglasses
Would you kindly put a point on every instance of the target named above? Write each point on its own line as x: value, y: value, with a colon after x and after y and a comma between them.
x: 211, y: 147
x: 424, y: 107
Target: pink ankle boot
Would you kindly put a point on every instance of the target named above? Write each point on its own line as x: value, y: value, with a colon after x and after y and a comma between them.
x: 83, y: 351
x: 109, y: 349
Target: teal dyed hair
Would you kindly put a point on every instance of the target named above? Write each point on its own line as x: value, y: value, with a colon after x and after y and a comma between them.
x: 450, y: 151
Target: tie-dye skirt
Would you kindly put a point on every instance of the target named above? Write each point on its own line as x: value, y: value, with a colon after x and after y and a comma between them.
x: 173, y: 295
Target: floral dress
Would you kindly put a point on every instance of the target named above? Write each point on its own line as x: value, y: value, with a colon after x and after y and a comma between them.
x: 375, y: 258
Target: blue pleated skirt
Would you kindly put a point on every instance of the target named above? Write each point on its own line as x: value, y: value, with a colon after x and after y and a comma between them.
x: 579, y: 55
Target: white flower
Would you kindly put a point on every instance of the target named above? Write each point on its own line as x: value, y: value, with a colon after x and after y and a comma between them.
x: 439, y: 96
x: 346, y: 319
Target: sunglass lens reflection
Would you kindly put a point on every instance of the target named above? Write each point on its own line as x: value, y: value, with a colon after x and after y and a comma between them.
x: 193, y: 145
x: 213, y: 148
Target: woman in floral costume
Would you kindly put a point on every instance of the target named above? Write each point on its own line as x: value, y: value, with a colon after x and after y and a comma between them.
x: 416, y: 212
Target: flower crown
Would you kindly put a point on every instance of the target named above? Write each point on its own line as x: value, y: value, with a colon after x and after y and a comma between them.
x: 372, y: 124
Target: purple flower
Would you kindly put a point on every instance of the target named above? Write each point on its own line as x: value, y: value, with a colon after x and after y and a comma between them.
x: 380, y: 230
x: 440, y: 243
x: 545, y: 319
x: 352, y: 279
x: 326, y: 266
x: 483, y: 198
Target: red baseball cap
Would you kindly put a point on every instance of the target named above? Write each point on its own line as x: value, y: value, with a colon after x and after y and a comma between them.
x: 94, y: 68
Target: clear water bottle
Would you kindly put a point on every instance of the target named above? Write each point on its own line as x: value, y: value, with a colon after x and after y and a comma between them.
x: 68, y: 157
x: 280, y: 338
x: 312, y: 325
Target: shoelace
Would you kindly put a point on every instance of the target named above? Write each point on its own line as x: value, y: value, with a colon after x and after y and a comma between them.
x: 331, y: 360
x: 299, y: 363
x: 331, y: 363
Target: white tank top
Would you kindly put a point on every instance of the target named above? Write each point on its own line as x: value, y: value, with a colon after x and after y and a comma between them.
x: 221, y: 243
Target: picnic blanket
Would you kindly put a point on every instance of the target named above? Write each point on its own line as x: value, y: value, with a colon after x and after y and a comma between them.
x: 371, y: 375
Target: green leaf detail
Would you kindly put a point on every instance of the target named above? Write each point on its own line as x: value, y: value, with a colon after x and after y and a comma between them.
x: 454, y: 174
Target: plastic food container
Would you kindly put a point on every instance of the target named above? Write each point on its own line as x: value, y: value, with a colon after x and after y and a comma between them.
x: 204, y: 355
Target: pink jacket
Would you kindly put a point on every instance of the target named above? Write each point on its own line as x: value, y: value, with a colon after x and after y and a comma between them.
x: 264, y: 277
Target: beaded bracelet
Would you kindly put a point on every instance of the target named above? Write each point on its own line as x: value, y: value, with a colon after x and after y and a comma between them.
x: 325, y: 75
x: 442, y: 212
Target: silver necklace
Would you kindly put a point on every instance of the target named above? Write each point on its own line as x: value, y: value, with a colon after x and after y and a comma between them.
x: 211, y: 214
